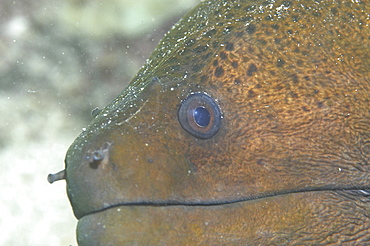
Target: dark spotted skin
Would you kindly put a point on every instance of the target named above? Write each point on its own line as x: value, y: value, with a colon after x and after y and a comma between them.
x: 290, y: 163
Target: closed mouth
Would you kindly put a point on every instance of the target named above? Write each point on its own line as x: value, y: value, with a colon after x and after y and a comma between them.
x: 358, y: 191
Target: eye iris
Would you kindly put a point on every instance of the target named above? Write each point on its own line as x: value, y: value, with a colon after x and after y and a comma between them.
x: 202, y: 116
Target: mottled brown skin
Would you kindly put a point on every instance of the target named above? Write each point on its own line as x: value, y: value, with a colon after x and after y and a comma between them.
x: 290, y: 164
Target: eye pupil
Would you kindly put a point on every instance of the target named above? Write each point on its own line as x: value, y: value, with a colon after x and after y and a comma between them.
x: 202, y: 116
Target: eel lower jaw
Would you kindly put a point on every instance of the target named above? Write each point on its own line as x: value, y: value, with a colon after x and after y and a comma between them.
x: 261, y: 221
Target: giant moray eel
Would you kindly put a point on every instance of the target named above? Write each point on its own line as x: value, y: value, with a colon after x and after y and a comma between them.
x: 248, y: 125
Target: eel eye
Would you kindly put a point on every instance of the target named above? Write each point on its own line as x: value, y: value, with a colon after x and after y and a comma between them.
x: 200, y: 116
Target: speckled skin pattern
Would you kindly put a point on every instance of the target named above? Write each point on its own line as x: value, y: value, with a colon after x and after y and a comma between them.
x: 290, y: 163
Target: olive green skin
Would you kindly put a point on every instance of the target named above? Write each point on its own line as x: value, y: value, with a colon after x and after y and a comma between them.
x: 290, y: 163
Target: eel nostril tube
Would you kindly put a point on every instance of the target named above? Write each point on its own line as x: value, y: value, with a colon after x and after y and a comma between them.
x: 97, y: 157
x: 57, y: 176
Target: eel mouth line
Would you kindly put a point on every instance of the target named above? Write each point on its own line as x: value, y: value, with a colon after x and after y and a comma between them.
x: 363, y: 191
x: 356, y: 191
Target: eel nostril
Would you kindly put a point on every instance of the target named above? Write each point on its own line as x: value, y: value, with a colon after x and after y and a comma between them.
x: 57, y: 176
x: 99, y: 156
